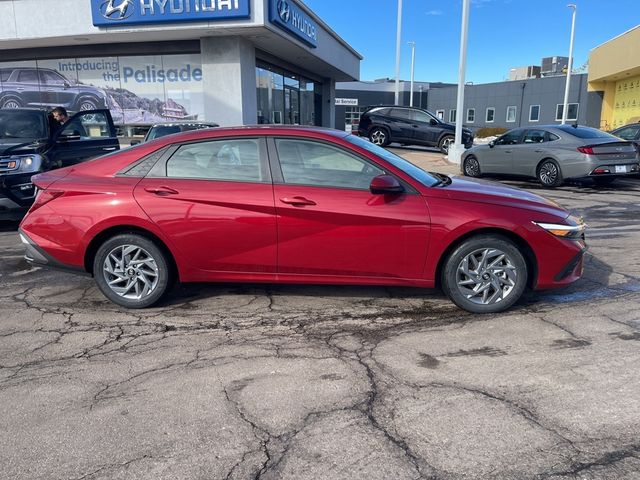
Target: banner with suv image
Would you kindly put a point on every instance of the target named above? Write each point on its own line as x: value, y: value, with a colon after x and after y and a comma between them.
x: 143, y: 89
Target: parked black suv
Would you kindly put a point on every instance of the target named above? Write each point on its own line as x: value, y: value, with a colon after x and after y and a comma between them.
x: 409, y: 126
x: 41, y: 87
x: 31, y: 141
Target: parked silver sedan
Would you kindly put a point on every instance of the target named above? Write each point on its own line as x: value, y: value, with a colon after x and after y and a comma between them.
x: 553, y: 154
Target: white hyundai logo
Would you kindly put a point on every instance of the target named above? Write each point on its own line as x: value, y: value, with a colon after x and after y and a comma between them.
x: 284, y: 11
x: 119, y: 11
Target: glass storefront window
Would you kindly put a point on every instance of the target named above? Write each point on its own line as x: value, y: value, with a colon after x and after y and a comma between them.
x: 285, y: 98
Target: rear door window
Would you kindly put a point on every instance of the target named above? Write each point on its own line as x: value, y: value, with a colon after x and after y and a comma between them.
x: 535, y: 136
x: 628, y: 133
x: 510, y: 138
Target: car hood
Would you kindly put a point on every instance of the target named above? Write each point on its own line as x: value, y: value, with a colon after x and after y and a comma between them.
x: 484, y: 191
x: 19, y: 146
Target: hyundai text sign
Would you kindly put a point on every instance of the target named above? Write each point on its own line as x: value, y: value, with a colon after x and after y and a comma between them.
x: 110, y: 13
x: 287, y: 15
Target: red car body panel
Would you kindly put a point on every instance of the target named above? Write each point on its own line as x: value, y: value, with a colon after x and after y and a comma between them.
x: 237, y: 231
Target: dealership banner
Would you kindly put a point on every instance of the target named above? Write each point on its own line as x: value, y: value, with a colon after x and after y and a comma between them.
x: 149, y: 89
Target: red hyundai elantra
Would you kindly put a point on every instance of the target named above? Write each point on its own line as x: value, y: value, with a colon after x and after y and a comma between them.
x: 294, y: 205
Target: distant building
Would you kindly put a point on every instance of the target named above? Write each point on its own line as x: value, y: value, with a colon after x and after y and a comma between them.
x: 614, y: 74
x: 554, y: 66
x: 522, y: 73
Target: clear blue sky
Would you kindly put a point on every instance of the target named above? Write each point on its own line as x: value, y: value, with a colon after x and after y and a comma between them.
x: 502, y: 33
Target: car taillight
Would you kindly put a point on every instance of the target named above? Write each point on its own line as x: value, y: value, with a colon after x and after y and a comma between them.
x: 587, y: 150
x: 43, y: 197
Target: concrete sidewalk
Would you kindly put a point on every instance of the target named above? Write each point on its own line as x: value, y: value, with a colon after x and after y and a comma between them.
x: 429, y: 160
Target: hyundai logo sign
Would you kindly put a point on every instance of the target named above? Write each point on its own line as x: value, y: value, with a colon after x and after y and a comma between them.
x: 290, y: 17
x: 107, y: 13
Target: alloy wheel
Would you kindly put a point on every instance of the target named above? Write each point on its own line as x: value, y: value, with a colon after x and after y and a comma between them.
x: 11, y: 104
x: 472, y: 167
x: 486, y: 276
x: 446, y: 143
x: 130, y: 272
x: 378, y: 137
x: 548, y: 173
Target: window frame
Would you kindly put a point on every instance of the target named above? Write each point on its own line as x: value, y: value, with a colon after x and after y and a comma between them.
x: 159, y: 169
x: 513, y: 108
x: 569, y: 109
x: 453, y: 113
x: 493, y: 116
x: 473, y: 118
x: 531, y: 110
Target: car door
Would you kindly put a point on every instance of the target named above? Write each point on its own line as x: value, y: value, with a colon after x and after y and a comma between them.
x: 214, y: 200
x: 332, y: 228
x: 28, y: 87
x: 401, y: 124
x: 530, y: 151
x: 426, y: 129
x: 85, y: 135
x: 499, y: 158
x: 56, y: 87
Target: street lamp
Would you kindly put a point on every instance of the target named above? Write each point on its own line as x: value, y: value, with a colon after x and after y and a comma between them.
x: 455, y: 151
x: 413, y: 62
x: 398, y: 31
x: 565, y: 105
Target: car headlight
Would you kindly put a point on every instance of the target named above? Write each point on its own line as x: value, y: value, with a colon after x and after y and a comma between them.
x: 573, y: 228
x: 21, y: 164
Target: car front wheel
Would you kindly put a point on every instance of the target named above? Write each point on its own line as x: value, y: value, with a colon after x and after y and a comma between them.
x: 379, y: 136
x: 485, y: 274
x: 132, y: 271
x: 446, y: 142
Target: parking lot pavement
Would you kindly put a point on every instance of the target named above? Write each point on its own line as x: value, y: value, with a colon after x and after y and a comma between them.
x: 307, y: 382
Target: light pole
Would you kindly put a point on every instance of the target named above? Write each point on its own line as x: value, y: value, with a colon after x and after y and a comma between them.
x: 565, y: 105
x: 398, y: 31
x: 413, y: 62
x: 455, y: 151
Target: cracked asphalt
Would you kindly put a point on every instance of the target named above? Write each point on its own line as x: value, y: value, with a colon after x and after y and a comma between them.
x: 308, y: 382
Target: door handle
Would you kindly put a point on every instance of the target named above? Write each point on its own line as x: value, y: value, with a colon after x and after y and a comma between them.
x: 415, y: 126
x: 109, y: 149
x: 162, y: 191
x: 507, y: 151
x: 297, y: 201
x: 538, y: 151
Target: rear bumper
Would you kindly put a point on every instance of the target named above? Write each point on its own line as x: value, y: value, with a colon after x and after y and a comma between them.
x: 615, y: 170
x: 35, y: 255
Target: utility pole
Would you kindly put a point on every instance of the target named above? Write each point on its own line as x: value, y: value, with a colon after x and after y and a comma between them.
x: 398, y: 32
x: 565, y: 105
x: 413, y: 63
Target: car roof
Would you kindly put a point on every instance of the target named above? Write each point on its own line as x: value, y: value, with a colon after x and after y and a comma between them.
x: 183, y: 122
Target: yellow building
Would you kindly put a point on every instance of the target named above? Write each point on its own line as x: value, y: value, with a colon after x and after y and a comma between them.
x: 614, y: 69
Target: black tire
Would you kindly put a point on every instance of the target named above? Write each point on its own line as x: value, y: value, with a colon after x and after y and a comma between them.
x: 10, y: 101
x: 147, y: 266
x: 379, y: 136
x: 549, y: 174
x: 603, y: 181
x: 471, y: 167
x: 445, y: 142
x: 87, y: 103
x: 485, y: 286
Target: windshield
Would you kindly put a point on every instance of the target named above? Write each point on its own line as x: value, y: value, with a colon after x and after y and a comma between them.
x: 22, y: 124
x: 407, y: 167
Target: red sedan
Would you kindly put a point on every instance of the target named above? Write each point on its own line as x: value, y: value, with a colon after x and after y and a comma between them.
x: 294, y: 205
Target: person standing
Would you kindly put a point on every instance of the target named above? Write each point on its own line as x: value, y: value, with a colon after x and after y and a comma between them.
x: 60, y: 115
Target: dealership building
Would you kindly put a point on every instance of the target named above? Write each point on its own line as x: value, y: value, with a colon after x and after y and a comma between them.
x: 226, y: 61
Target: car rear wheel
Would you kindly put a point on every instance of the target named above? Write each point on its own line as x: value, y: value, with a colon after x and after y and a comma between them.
x: 86, y: 103
x: 471, y: 166
x: 10, y: 102
x: 379, y: 136
x: 549, y: 174
x: 485, y: 274
x: 445, y: 142
x: 132, y: 271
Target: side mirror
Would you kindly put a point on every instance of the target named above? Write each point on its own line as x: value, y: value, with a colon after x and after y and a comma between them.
x: 385, y: 184
x: 66, y: 84
x: 433, y: 121
x: 492, y: 143
x: 135, y: 142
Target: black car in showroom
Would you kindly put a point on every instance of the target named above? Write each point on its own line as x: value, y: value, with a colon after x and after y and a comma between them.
x: 409, y: 126
x: 31, y: 142
x: 46, y: 87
